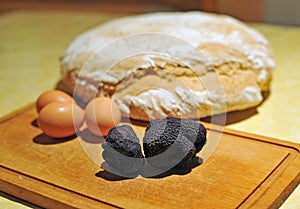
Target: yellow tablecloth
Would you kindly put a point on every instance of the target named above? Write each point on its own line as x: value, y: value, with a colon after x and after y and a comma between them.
x: 32, y: 42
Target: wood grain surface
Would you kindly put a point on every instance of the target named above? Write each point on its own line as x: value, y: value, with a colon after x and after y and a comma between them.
x: 244, y: 171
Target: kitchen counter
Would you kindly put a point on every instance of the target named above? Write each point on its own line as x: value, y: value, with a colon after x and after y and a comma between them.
x: 31, y: 44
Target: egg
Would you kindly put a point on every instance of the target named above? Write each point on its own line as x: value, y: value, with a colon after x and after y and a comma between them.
x: 102, y: 114
x: 60, y: 119
x: 51, y: 96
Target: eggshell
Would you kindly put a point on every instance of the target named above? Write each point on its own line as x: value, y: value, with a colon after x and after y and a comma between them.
x: 102, y: 114
x: 51, y: 96
x: 60, y: 119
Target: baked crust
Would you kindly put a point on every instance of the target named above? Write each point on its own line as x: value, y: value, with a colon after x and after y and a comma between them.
x: 233, y: 65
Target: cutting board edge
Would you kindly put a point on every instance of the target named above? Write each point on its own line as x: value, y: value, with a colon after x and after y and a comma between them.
x: 36, y: 191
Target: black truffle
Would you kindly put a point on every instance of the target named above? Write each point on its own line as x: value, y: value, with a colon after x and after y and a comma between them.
x: 195, y: 132
x: 173, y: 142
x: 122, y: 150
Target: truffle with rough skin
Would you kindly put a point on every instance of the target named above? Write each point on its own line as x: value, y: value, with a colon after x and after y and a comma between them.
x: 173, y: 142
x: 192, y: 129
x: 122, y: 150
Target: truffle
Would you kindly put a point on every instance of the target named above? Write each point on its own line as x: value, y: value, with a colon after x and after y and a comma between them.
x: 173, y: 142
x: 167, y: 143
x: 122, y: 150
x: 195, y: 132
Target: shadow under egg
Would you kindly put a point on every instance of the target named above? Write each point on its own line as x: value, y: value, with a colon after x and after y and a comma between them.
x: 47, y: 140
x: 87, y: 136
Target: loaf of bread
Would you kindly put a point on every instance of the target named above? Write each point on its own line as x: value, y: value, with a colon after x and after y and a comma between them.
x: 188, y: 64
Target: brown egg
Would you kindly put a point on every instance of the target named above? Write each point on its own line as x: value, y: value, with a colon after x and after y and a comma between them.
x: 60, y: 119
x: 102, y: 114
x: 51, y: 96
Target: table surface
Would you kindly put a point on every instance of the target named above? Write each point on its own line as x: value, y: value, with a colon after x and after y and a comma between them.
x: 31, y: 44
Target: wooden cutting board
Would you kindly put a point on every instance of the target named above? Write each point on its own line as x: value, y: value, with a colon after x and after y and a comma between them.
x: 245, y: 171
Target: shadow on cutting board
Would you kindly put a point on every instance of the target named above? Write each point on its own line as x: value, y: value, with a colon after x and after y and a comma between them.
x: 146, y: 172
x: 47, y: 140
x: 236, y: 116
